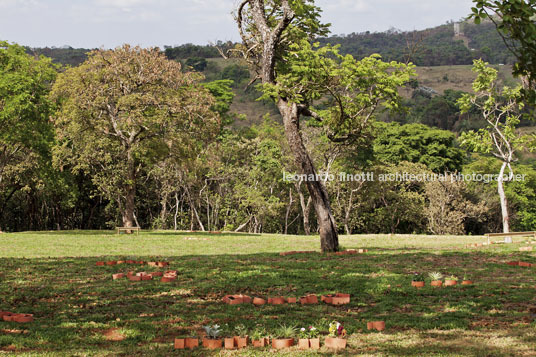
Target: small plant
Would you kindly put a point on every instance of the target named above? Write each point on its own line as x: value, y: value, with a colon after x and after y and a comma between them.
x: 212, y: 331
x: 418, y: 277
x: 323, y: 324
x: 285, y: 331
x: 313, y: 332
x: 258, y: 334
x: 465, y: 277
x: 336, y: 329
x: 308, y: 332
x: 241, y: 330
x: 434, y: 276
x: 225, y: 330
x: 303, y: 333
x: 451, y: 277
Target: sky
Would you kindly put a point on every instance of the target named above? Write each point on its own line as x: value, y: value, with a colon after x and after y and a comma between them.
x: 111, y: 23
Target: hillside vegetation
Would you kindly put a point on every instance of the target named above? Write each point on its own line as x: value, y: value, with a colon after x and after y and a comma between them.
x: 443, y: 60
x: 437, y: 46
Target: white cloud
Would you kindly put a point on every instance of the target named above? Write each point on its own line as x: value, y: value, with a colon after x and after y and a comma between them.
x: 121, y: 3
x: 349, y: 16
x: 345, y: 5
x: 20, y: 4
x: 114, y: 11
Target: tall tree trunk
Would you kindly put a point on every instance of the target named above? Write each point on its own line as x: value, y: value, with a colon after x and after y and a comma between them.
x: 329, y: 240
x: 306, y: 216
x: 130, y: 203
x: 209, y: 223
x: 130, y: 193
x: 348, y: 212
x: 504, y: 203
x: 163, y: 211
x: 194, y: 211
x: 176, y: 211
x: 289, y: 207
x: 270, y: 40
x: 199, y: 222
x: 243, y: 225
x: 306, y: 208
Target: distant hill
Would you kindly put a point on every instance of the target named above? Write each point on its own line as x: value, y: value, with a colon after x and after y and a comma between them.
x: 437, y: 46
x: 66, y: 56
x: 444, y: 64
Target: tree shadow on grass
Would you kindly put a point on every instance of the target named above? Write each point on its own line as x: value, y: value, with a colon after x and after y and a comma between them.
x: 73, y: 299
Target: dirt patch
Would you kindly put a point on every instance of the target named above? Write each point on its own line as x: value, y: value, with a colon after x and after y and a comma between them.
x: 113, y: 334
x: 9, y: 348
x: 489, y: 322
x: 162, y: 339
x: 13, y: 331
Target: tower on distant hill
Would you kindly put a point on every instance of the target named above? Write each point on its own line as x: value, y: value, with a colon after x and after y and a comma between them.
x: 458, y: 29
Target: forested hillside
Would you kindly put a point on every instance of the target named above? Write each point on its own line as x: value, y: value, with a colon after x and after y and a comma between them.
x: 436, y: 46
x: 432, y: 47
x: 444, y: 64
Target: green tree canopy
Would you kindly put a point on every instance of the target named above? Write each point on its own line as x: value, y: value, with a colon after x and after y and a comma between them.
x: 516, y: 22
x: 124, y: 110
x: 25, y: 131
x: 418, y: 143
x: 197, y: 63
x: 24, y: 107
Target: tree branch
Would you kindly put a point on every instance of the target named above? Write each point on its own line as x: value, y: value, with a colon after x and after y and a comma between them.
x: 240, y: 22
x: 304, y: 110
x: 288, y: 16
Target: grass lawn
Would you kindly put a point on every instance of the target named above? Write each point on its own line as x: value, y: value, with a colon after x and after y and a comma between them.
x: 53, y: 275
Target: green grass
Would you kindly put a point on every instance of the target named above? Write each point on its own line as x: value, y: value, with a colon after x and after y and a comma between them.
x: 53, y: 275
